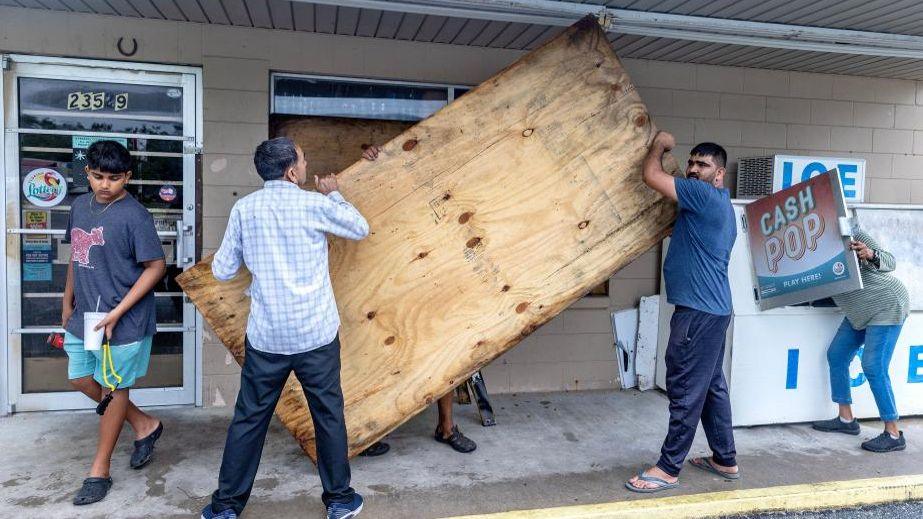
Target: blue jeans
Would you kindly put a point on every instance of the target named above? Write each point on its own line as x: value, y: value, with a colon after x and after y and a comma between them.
x: 879, y: 344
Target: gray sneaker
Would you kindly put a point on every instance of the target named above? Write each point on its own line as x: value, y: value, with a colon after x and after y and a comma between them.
x: 885, y: 443
x: 837, y: 425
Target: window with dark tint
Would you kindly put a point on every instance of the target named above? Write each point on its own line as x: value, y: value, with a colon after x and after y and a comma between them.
x: 57, y: 104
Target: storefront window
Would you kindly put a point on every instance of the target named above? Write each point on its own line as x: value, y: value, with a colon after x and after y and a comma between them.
x: 355, y: 99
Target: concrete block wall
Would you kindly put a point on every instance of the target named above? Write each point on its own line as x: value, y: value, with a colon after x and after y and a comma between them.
x: 750, y: 111
x: 761, y: 112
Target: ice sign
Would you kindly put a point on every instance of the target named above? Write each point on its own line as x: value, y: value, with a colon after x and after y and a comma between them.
x: 789, y: 170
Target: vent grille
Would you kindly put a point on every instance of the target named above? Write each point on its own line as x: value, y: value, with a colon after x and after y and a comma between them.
x: 754, y: 177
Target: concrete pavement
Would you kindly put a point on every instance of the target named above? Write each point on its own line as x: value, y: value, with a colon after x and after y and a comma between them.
x: 548, y: 450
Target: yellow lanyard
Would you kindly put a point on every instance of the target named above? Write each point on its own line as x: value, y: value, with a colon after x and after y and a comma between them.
x: 107, y: 357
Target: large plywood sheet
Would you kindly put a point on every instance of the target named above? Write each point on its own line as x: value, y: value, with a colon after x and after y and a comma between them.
x: 487, y: 220
x: 332, y: 144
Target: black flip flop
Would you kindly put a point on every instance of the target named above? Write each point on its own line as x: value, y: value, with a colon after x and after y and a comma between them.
x: 144, y: 448
x: 456, y: 440
x: 93, y: 490
x: 376, y: 449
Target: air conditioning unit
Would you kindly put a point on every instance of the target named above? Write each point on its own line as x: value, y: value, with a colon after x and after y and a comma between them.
x: 761, y: 176
x: 754, y: 177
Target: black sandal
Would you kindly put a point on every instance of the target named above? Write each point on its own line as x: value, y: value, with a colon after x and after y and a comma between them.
x: 93, y: 490
x: 376, y: 449
x: 144, y: 448
x: 456, y: 440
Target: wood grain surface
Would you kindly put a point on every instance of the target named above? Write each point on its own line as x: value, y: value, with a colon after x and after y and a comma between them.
x: 487, y: 220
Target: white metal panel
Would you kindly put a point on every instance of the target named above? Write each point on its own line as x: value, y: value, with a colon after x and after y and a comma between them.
x: 368, y: 22
x: 715, y: 7
x: 259, y: 13
x: 78, y: 6
x: 747, y: 55
x: 325, y: 19
x: 213, y: 10
x: 31, y: 4
x: 56, y: 5
x: 768, y: 386
x: 304, y: 16
x: 281, y: 13
x: 689, y: 51
x: 470, y: 31
x: 900, y: 17
x: 818, y: 13
x: 625, y: 330
x: 858, y: 17
x: 237, y: 12
x: 389, y: 24
x: 125, y: 8
x: 530, y: 34
x: 906, y: 25
x: 171, y: 10
x: 347, y: 21
x: 543, y: 37
x: 489, y: 33
x: 510, y: 33
x: 430, y: 28
x: 409, y: 26
x: 669, y: 48
x: 100, y: 7
x: 146, y: 9
x: 450, y: 30
x: 646, y: 346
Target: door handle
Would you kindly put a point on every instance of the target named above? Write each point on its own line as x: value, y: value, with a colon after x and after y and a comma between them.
x: 182, y: 229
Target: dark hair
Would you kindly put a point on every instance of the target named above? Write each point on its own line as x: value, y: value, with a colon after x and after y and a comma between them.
x: 710, y: 149
x: 108, y: 157
x: 274, y: 156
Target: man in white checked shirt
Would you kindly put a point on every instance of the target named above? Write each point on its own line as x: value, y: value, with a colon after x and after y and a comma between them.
x: 280, y: 233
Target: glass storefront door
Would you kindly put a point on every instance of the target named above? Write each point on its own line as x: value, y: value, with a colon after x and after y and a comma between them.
x: 53, y: 111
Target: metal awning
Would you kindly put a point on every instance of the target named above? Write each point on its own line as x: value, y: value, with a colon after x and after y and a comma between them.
x: 882, y: 38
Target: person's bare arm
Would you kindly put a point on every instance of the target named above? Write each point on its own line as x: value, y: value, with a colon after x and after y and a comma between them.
x: 67, y: 304
x: 152, y: 274
x: 654, y: 175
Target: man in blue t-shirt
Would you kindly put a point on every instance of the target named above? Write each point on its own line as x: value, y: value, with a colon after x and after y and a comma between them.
x: 696, y: 277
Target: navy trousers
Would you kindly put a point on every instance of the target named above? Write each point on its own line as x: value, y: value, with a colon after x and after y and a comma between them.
x: 697, y: 389
x: 261, y: 381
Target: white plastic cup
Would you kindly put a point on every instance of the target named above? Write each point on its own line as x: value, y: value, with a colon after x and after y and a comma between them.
x: 93, y: 339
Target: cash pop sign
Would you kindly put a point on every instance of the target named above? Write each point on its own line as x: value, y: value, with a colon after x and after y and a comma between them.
x: 799, y: 243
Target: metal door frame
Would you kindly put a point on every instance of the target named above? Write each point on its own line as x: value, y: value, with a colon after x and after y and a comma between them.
x: 190, y: 80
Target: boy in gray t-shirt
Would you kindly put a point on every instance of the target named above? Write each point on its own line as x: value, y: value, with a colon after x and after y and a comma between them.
x: 116, y: 259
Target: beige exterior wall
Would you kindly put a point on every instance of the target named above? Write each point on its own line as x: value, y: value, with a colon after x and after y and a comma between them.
x: 750, y: 111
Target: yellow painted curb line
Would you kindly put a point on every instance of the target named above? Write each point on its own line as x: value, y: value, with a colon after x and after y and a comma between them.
x: 814, y: 496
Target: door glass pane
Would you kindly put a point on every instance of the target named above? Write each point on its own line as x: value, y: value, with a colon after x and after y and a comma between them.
x: 52, y: 175
x: 58, y: 104
x: 44, y: 368
x: 166, y: 367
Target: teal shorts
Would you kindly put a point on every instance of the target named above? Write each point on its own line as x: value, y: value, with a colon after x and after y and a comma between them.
x: 130, y: 361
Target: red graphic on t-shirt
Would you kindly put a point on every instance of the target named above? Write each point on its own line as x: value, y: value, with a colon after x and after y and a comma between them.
x: 81, y: 241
